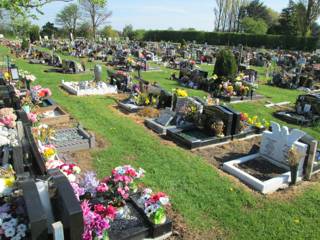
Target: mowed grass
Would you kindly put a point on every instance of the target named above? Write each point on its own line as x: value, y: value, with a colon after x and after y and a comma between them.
x: 206, y: 200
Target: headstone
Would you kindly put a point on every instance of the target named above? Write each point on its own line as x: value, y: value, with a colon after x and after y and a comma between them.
x: 97, y: 73
x: 165, y: 118
x: 181, y: 104
x: 276, y: 144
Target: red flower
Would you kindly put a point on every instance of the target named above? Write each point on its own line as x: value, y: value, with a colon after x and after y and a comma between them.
x: 100, y: 209
x: 102, y: 188
x: 111, y: 212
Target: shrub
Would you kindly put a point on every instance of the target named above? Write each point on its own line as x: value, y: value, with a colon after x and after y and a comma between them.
x: 226, y: 65
x: 234, y: 39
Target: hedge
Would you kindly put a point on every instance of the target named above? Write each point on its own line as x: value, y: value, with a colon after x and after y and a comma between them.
x: 234, y: 39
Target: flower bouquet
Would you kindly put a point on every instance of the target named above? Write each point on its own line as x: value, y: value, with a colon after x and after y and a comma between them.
x: 97, y: 220
x: 26, y: 78
x: 38, y: 93
x: 13, y: 219
x: 7, y: 180
x: 154, y: 206
x: 116, y: 188
x: 71, y: 171
x: 43, y: 133
x: 7, y: 118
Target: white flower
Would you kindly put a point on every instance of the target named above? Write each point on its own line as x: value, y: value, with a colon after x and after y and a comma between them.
x: 16, y: 237
x: 72, y: 177
x: 147, y: 191
x: 21, y: 234
x: 5, y: 216
x: 77, y: 170
x: 9, y: 232
x: 6, y: 225
x: 164, y: 200
x: 21, y: 228
x: 13, y: 222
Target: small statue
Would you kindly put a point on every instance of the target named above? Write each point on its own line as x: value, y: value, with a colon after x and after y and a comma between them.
x: 218, y: 127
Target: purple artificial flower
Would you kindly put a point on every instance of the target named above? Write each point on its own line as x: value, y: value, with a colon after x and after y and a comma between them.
x: 90, y: 182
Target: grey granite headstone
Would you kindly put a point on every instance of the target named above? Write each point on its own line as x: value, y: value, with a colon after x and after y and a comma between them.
x: 166, y: 116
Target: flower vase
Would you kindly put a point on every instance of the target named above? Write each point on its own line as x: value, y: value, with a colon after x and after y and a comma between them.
x: 28, y: 84
x: 121, y: 212
x: 294, y: 173
x: 158, y: 217
x: 26, y: 108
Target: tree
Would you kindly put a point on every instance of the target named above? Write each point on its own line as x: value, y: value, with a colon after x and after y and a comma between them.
x: 227, y: 14
x: 49, y: 30
x: 307, y: 12
x: 84, y: 30
x: 23, y: 7
x: 34, y: 33
x: 256, y: 10
x: 108, y: 32
x: 68, y: 18
x: 226, y: 65
x: 20, y: 25
x: 254, y: 26
x: 96, y: 12
x: 287, y: 21
x: 128, y: 31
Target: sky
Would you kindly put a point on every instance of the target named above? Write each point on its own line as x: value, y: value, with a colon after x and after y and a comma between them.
x: 155, y: 14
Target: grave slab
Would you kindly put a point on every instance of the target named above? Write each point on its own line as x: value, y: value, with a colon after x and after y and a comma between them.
x: 274, y: 149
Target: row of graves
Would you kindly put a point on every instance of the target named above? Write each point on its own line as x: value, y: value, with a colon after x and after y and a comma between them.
x: 285, y: 157
x: 230, y: 89
x: 297, y: 71
x: 44, y: 194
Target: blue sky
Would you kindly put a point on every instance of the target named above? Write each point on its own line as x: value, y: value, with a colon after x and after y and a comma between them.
x: 155, y: 14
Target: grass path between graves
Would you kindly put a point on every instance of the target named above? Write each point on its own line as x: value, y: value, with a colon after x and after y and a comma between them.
x: 206, y: 199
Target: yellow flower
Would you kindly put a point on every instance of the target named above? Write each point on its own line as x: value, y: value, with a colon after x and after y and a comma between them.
x: 7, y: 76
x: 8, y: 182
x: 49, y: 152
x: 254, y: 118
x: 230, y: 89
x: 181, y: 93
x: 147, y: 102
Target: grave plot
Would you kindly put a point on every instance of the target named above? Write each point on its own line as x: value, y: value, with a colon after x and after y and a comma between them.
x: 273, y: 167
x: 135, y: 224
x: 45, y: 105
x: 55, y: 116
x: 168, y: 118
x: 306, y: 112
x: 86, y: 88
x: 94, y: 87
x: 148, y: 95
x: 215, y: 126
x: 72, y: 139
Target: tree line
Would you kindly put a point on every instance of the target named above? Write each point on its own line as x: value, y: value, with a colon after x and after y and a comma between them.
x: 297, y: 19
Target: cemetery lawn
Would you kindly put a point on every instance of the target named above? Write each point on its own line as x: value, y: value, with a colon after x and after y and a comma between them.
x: 207, y: 200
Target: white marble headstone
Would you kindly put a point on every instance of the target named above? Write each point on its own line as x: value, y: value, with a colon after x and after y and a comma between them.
x: 276, y: 144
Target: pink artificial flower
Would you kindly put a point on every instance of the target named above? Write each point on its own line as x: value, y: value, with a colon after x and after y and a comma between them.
x: 102, y: 188
x: 32, y: 117
x: 100, y: 209
x: 111, y: 212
